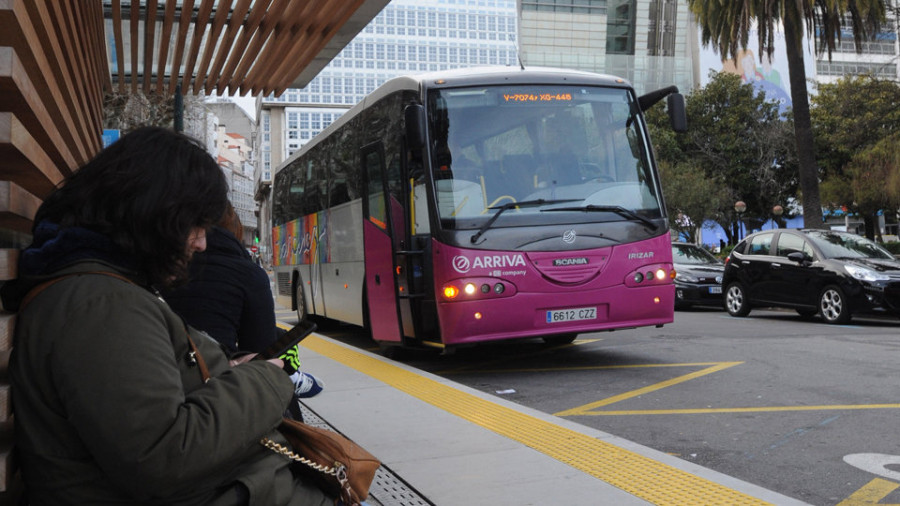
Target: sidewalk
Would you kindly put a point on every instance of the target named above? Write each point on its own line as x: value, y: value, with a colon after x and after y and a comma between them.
x: 457, y: 446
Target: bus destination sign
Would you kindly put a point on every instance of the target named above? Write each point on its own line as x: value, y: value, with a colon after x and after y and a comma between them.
x: 536, y: 97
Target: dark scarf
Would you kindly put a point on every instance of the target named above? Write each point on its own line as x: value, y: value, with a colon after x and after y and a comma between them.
x: 53, y: 249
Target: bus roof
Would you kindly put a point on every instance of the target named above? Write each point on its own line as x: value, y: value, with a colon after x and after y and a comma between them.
x: 469, y: 76
x: 475, y: 76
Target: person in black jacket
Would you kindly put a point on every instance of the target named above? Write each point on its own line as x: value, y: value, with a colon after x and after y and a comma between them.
x: 229, y: 297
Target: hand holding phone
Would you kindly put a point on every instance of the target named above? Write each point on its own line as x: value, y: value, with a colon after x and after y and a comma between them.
x: 287, y: 341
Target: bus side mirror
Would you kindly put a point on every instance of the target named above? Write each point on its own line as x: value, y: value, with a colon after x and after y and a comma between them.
x: 415, y: 126
x: 677, y: 115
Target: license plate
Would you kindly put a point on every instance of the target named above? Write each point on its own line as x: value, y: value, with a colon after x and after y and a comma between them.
x: 715, y: 289
x: 571, y: 315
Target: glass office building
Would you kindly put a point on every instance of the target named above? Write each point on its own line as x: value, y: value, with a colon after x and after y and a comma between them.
x: 652, y: 43
x: 407, y: 37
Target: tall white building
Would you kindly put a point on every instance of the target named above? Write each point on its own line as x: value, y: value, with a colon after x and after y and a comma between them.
x: 652, y: 43
x: 879, y: 57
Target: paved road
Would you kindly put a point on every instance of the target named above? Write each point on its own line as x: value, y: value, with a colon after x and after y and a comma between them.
x: 770, y: 399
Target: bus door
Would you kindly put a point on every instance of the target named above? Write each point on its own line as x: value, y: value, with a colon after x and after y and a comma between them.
x: 381, y: 287
x: 413, y: 254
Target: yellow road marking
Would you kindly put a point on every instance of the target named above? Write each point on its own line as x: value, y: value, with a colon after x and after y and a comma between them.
x: 871, y: 493
x: 634, y: 473
x: 588, y: 408
x: 760, y: 409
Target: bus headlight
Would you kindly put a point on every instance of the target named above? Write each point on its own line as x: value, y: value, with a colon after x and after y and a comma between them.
x: 651, y: 275
x: 477, y: 289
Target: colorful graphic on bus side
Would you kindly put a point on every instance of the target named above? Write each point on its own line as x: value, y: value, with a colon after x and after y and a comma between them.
x: 302, y: 241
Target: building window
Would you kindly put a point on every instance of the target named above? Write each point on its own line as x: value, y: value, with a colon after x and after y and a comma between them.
x: 620, y: 27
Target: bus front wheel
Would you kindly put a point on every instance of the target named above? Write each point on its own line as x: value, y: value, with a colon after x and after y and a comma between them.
x: 302, y: 312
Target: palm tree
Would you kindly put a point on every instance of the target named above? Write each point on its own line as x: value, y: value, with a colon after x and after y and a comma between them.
x: 726, y: 25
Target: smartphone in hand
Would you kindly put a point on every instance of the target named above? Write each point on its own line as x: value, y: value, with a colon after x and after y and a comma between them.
x: 287, y: 341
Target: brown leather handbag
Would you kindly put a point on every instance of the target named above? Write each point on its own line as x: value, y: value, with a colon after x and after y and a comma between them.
x: 339, y: 466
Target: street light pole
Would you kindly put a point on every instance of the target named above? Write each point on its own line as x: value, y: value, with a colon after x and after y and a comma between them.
x: 777, y: 211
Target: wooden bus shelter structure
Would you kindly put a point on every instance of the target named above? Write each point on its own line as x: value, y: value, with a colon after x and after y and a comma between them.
x: 58, y: 58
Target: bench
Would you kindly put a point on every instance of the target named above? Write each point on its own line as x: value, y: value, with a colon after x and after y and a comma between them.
x: 11, y: 488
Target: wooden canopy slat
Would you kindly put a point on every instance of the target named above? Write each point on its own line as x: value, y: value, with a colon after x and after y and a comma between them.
x: 223, y: 9
x: 266, y: 26
x: 183, y: 25
x: 285, y: 35
x: 21, y: 35
x: 149, y: 35
x: 165, y: 37
x: 57, y: 51
x: 225, y: 46
x: 206, y: 7
x: 280, y: 35
x: 19, y: 96
x: 68, y: 22
x: 73, y: 23
x: 135, y: 19
x: 303, y: 53
x: 101, y: 55
x: 117, y: 35
x: 249, y: 32
x: 97, y: 69
x: 230, y: 45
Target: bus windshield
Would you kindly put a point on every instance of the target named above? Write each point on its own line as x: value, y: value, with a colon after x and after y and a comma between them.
x: 576, y: 148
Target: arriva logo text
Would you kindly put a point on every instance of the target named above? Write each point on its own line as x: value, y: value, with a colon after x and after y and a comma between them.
x: 640, y: 254
x: 462, y: 264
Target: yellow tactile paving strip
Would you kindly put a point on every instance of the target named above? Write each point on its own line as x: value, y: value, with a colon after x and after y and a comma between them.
x: 641, y: 476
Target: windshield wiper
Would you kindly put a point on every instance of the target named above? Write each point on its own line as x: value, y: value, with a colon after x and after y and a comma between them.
x: 510, y: 205
x: 621, y: 211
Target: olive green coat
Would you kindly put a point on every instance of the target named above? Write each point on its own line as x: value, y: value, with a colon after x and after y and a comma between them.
x: 110, y: 409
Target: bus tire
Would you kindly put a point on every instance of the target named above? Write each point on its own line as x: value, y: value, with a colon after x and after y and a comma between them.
x: 302, y: 311
x: 392, y: 351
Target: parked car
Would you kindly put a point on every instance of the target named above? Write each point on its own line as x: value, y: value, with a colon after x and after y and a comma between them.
x: 834, y: 274
x: 698, y: 276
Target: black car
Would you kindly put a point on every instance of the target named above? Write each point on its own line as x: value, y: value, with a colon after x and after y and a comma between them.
x: 698, y: 276
x: 835, y: 274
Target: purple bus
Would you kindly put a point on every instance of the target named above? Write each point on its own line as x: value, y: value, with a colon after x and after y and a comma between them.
x: 478, y: 205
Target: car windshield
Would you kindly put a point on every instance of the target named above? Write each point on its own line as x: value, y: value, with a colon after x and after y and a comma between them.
x: 843, y: 245
x: 688, y: 254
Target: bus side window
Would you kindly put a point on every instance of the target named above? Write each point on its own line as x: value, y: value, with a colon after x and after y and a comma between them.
x: 377, y: 209
x: 339, y: 194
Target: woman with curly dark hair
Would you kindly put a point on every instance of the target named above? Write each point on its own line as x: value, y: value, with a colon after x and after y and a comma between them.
x: 117, y: 401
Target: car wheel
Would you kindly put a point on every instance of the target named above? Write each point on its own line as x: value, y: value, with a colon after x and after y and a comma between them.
x: 834, y: 306
x: 736, y: 300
